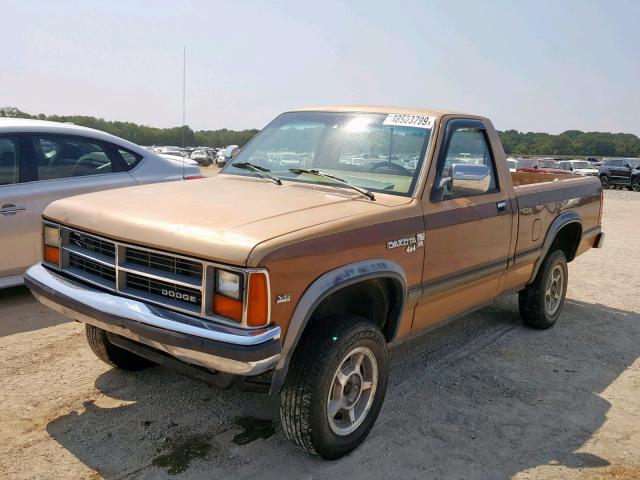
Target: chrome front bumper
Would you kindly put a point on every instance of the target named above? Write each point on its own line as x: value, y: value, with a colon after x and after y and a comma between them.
x: 217, y: 347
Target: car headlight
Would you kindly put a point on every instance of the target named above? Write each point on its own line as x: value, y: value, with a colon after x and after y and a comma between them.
x: 229, y: 284
x: 230, y: 300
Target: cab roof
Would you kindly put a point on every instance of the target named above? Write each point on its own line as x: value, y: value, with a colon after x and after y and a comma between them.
x: 380, y: 109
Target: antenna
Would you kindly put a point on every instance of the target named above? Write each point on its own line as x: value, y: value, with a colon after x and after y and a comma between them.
x: 184, y: 76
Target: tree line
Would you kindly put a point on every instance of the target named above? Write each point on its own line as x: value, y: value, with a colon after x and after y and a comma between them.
x: 571, y: 142
x: 144, y: 135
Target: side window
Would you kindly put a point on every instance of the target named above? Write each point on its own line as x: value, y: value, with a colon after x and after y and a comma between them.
x: 468, y: 168
x: 8, y: 161
x: 129, y: 158
x: 65, y: 157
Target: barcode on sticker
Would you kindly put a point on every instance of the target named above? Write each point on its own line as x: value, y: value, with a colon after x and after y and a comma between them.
x: 408, y: 120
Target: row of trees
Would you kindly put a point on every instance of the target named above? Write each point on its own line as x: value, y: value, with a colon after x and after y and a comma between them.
x: 143, y: 135
x: 571, y: 142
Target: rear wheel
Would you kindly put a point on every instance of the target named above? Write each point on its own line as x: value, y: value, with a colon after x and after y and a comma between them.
x: 541, y: 302
x: 604, y: 180
x: 335, y: 386
x: 111, y: 354
x: 635, y: 184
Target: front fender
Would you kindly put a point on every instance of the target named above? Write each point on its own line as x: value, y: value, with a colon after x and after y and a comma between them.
x: 320, y: 289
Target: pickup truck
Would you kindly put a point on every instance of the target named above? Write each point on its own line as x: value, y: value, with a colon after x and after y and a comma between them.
x: 336, y: 232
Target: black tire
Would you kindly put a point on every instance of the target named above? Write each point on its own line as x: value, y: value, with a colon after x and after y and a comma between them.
x: 111, y: 354
x: 635, y: 184
x: 303, y: 400
x: 604, y: 180
x: 535, y: 310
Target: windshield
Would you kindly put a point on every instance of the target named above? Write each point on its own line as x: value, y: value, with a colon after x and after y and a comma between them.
x: 634, y: 163
x: 548, y: 164
x: 512, y: 164
x: 378, y: 152
x: 581, y: 165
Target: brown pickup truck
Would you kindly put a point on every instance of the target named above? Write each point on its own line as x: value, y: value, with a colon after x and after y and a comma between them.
x: 332, y: 234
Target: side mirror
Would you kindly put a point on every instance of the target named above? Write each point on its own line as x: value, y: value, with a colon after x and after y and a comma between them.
x: 469, y: 179
x: 535, y: 166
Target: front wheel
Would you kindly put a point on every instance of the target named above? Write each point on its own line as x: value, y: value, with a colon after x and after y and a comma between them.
x: 604, y: 180
x: 112, y: 354
x: 635, y: 184
x: 335, y: 386
x: 541, y: 302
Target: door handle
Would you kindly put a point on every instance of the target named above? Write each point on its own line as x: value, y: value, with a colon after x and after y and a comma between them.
x: 501, y: 206
x: 11, y: 209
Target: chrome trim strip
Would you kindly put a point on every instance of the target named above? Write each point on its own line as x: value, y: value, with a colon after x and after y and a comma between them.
x: 170, y: 278
x: 81, y: 252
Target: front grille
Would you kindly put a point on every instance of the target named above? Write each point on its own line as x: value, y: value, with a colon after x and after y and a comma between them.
x: 93, y: 268
x: 164, y: 263
x: 166, y: 291
x: 92, y: 244
x: 152, y: 276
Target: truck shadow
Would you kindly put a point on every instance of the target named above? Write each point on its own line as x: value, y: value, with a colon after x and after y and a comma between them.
x: 482, y: 397
x: 20, y: 312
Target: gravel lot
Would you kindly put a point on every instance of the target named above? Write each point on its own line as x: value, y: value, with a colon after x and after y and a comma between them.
x: 482, y: 398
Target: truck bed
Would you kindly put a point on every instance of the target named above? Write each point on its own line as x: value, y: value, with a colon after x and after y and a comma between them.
x: 541, y: 199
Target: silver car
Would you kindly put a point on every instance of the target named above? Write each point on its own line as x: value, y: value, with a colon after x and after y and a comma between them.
x: 43, y: 161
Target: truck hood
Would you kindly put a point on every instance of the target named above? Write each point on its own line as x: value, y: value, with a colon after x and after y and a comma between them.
x: 221, y: 218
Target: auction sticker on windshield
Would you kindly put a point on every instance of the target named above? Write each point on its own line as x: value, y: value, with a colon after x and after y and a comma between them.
x: 408, y: 120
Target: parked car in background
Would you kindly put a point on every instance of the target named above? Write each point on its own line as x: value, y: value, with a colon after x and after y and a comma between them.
x: 540, y: 165
x: 512, y: 163
x: 225, y: 155
x: 624, y: 172
x: 579, y: 167
x: 170, y: 150
x: 43, y: 161
x: 203, y: 157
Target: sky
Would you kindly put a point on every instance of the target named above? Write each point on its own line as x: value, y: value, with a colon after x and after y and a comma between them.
x: 529, y: 65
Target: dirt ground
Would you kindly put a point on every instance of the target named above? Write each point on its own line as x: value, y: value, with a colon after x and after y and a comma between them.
x: 482, y: 398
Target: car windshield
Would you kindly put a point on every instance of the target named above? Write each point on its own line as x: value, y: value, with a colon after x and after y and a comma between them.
x: 512, y: 164
x: 548, y: 164
x: 378, y: 152
x: 581, y: 165
x: 634, y: 163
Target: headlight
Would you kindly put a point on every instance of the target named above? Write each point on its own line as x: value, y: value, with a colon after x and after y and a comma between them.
x: 51, y: 240
x: 51, y: 236
x: 229, y: 284
x: 228, y: 295
x: 250, y: 308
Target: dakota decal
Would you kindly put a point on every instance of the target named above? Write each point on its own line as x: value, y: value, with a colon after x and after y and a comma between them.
x: 407, y: 120
x: 410, y: 244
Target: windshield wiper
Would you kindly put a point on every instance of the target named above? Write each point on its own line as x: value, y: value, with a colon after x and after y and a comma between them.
x: 258, y: 170
x: 318, y: 173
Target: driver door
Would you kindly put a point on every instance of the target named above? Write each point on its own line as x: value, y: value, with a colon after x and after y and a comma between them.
x: 468, y: 223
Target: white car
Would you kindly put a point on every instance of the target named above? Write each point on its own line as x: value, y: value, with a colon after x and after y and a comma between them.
x: 512, y: 163
x: 43, y: 161
x: 579, y: 167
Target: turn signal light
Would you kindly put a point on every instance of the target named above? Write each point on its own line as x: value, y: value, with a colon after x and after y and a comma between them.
x: 52, y: 255
x: 227, y: 307
x: 258, y: 300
